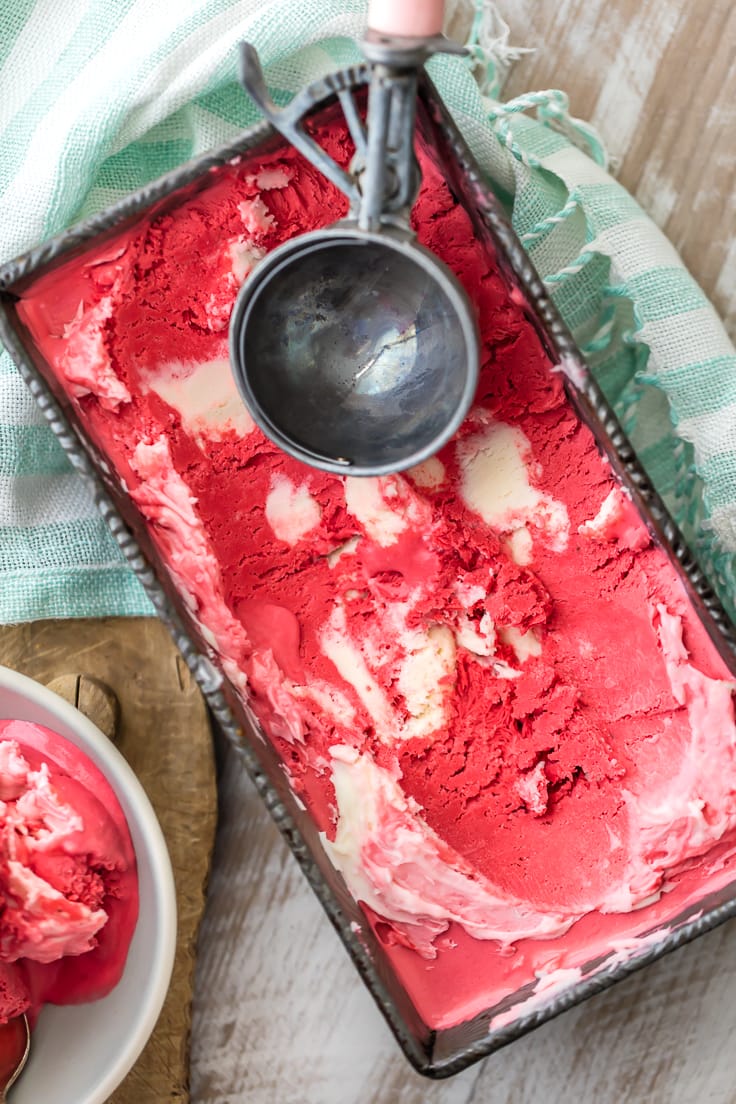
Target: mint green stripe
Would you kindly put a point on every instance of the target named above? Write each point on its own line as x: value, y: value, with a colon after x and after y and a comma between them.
x: 230, y: 103
x: 703, y: 388
x: 343, y: 51
x: 657, y: 462
x: 579, y: 298
x: 538, y: 140
x: 460, y: 94
x: 616, y: 375
x: 665, y: 293
x: 174, y: 128
x: 533, y: 198
x: 718, y: 473
x: 138, y: 163
x: 33, y: 594
x: 66, y: 541
x: 97, y: 199
x: 280, y: 97
x: 13, y: 16
x: 30, y: 450
x: 608, y: 205
x: 7, y: 364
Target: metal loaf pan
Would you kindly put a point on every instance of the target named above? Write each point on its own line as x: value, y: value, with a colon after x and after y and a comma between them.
x: 434, y: 1053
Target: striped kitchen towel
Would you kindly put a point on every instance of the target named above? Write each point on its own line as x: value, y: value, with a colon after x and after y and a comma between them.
x: 98, y: 98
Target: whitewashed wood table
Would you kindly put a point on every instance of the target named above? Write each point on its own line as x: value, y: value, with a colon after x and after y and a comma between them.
x: 280, y: 1014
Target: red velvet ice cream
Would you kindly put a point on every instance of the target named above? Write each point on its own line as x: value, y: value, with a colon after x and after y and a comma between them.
x: 68, y: 884
x: 486, y: 683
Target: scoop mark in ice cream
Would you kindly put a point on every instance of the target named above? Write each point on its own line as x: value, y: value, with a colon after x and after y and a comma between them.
x: 393, y: 861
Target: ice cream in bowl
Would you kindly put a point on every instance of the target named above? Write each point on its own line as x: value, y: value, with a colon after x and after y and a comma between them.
x: 87, y: 901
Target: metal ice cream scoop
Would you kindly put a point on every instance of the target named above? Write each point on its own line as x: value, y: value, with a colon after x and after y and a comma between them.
x: 354, y: 347
x: 15, y: 1044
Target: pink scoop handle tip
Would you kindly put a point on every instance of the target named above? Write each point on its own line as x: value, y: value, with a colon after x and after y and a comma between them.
x: 410, y: 18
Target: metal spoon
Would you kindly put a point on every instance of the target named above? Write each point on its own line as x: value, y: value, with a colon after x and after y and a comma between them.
x: 15, y: 1045
x: 355, y: 348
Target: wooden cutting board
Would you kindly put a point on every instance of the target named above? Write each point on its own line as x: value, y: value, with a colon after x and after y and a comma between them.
x: 163, y: 731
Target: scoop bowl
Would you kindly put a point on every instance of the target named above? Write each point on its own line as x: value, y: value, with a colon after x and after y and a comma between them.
x: 355, y: 352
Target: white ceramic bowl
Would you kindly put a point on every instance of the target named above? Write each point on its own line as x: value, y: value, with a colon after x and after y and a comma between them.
x: 80, y: 1053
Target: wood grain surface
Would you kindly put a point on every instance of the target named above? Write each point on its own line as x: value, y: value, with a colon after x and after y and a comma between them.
x: 163, y: 731
x: 280, y: 1015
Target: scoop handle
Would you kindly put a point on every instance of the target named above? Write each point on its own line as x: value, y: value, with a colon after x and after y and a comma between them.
x: 289, y: 120
x: 406, y: 18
